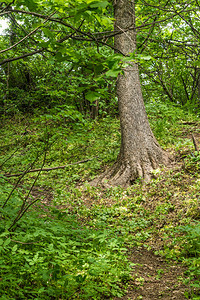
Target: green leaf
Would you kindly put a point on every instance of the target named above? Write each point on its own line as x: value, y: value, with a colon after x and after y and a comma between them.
x: 44, y: 44
x: 80, y: 278
x: 30, y: 4
x: 101, y: 4
x: 59, y: 56
x: 7, y: 242
x: 92, y: 96
x: 48, y: 32
x: 113, y: 73
x: 144, y: 57
x: 14, y: 249
x: 88, y: 12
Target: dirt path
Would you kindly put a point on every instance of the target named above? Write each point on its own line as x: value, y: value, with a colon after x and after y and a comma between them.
x: 153, y: 278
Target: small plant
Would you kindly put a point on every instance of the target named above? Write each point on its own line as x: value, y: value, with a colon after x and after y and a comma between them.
x: 192, y: 162
x: 160, y: 272
x: 139, y: 281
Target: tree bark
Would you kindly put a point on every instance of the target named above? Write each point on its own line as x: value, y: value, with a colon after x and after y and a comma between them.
x: 140, y: 153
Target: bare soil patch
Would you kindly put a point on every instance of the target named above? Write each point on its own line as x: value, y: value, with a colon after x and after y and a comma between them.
x: 154, y: 278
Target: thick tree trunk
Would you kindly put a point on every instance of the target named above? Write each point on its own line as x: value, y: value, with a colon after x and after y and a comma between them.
x: 140, y: 153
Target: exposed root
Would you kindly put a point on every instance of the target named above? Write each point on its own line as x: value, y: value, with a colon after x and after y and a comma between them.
x: 125, y: 172
x: 117, y: 175
x: 122, y: 174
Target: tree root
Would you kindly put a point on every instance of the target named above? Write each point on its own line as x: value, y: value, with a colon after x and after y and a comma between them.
x: 124, y: 173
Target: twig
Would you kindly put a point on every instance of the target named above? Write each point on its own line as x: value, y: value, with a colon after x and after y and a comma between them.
x: 22, y: 212
x: 28, y: 35
x: 189, y: 123
x: 18, y: 181
x: 30, y: 243
x: 195, y: 143
x: 25, y: 206
x: 9, y: 157
x: 21, y: 56
x: 49, y: 169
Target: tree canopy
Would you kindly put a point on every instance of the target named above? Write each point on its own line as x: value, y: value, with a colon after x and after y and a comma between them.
x: 78, y: 35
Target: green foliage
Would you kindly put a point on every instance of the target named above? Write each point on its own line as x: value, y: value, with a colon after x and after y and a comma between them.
x: 72, y: 242
x: 78, y: 63
x: 48, y: 251
x: 163, y: 117
x: 192, y: 240
x: 192, y: 162
x: 71, y: 73
x: 190, y: 243
x: 172, y: 74
x: 50, y: 254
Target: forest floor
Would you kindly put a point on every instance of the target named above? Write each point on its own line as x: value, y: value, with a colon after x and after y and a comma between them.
x: 153, y: 276
x: 142, y: 242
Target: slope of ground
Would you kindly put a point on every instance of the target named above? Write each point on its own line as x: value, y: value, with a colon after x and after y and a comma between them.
x: 73, y: 241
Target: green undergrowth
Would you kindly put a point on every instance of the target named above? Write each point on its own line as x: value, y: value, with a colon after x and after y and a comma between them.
x: 50, y: 255
x: 63, y: 239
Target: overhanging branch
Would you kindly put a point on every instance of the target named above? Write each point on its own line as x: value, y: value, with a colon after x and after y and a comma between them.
x: 21, y: 56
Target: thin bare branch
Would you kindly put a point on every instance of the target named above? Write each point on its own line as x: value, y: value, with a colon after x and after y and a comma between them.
x: 195, y: 143
x: 21, y: 56
x: 49, y: 169
x: 28, y: 35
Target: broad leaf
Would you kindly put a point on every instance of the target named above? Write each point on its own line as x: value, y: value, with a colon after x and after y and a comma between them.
x: 92, y: 96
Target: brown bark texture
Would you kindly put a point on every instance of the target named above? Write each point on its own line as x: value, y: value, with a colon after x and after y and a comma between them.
x: 140, y: 152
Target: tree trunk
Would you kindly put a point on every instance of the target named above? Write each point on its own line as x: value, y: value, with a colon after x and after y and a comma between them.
x: 140, y: 153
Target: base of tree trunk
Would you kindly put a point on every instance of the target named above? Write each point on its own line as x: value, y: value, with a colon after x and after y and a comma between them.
x: 125, y: 172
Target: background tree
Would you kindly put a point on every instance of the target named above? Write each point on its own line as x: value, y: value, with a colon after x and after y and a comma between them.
x: 173, y: 45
